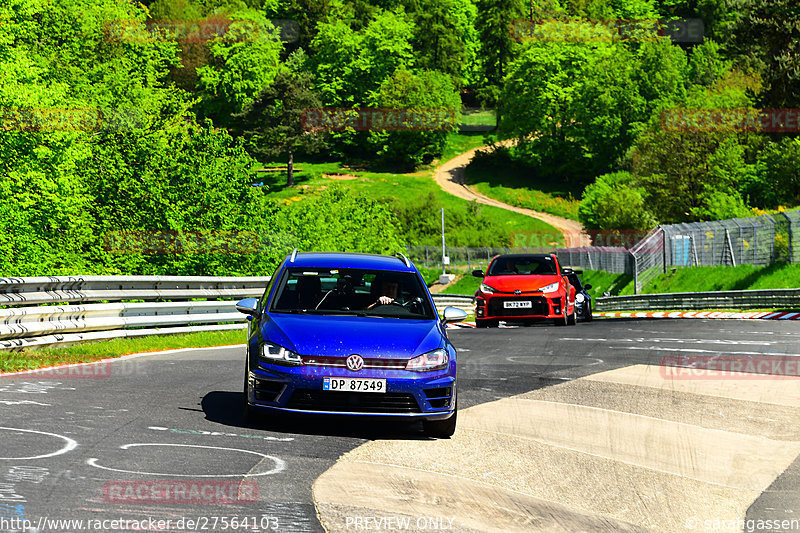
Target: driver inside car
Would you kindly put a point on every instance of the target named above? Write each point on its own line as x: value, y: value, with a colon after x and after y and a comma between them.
x: 387, y: 291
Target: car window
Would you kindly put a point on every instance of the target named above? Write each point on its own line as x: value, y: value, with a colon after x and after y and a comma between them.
x: 510, y: 266
x: 332, y: 291
x: 575, y: 282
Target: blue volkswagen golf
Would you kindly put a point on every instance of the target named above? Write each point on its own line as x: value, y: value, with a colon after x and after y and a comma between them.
x: 350, y: 334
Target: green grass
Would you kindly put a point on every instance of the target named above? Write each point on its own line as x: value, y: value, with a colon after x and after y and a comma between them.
x: 743, y: 277
x: 700, y: 279
x: 602, y: 282
x: 479, y: 117
x: 95, y: 351
x: 466, y: 284
x: 517, y: 187
x: 410, y: 189
x: 458, y: 143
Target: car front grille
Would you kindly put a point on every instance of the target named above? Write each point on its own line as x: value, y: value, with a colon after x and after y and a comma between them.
x: 352, y: 402
x: 540, y: 306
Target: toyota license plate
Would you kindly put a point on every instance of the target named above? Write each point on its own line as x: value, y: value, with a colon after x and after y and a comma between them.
x: 517, y: 305
x: 354, y: 384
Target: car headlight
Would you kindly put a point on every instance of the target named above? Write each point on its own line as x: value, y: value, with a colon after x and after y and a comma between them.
x: 553, y: 287
x: 275, y: 353
x: 579, y: 297
x: 487, y: 289
x: 435, y: 360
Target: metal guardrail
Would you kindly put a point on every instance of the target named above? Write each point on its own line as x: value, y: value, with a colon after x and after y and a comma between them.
x: 172, y: 304
x: 700, y: 301
x: 461, y: 301
x: 46, y: 311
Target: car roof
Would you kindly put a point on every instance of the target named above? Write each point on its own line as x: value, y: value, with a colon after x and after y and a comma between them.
x: 348, y: 260
x: 523, y: 256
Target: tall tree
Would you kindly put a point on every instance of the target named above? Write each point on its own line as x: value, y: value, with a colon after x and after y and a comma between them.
x: 495, y: 29
x: 273, y: 122
x: 767, y: 36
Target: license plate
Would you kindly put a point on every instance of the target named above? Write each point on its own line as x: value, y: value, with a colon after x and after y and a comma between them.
x: 517, y: 305
x: 354, y: 384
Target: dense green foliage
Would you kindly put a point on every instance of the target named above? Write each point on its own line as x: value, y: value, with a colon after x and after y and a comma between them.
x: 132, y: 117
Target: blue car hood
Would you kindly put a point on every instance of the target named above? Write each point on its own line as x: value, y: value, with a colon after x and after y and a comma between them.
x: 335, y: 336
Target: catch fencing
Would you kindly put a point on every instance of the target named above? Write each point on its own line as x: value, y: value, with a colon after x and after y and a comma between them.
x: 758, y: 241
x: 608, y: 258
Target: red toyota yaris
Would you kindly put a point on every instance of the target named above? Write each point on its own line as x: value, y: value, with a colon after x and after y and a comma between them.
x: 523, y: 288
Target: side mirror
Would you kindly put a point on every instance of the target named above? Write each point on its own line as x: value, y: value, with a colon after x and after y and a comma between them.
x: 587, y: 286
x: 478, y: 273
x: 248, y: 306
x: 453, y: 314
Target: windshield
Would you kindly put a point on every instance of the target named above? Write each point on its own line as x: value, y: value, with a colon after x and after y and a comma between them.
x: 331, y: 291
x: 510, y: 266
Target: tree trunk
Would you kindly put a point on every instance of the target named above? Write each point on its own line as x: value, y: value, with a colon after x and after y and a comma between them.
x: 290, y: 170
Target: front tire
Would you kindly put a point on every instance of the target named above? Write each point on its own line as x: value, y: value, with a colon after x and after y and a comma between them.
x: 486, y: 323
x: 572, y: 319
x: 440, y: 429
x: 587, y: 315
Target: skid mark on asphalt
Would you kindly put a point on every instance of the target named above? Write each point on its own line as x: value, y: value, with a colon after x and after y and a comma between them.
x: 624, y: 449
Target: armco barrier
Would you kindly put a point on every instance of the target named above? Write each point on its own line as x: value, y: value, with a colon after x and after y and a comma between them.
x: 698, y: 301
x: 172, y: 304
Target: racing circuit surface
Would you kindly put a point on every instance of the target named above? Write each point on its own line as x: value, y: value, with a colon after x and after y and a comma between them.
x: 560, y: 429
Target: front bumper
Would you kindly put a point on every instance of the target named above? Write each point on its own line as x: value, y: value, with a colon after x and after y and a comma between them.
x: 425, y: 395
x: 491, y: 306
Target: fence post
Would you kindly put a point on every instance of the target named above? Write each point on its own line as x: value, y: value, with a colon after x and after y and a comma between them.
x: 635, y: 274
x: 469, y: 263
x: 426, y: 257
x: 791, y: 238
x: 730, y: 246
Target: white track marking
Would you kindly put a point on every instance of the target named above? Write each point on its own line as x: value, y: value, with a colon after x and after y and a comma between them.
x: 71, y: 445
x: 280, y: 464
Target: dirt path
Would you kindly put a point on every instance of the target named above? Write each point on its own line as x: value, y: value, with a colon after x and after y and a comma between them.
x: 450, y: 177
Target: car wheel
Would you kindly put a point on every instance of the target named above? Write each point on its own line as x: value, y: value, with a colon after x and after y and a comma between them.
x: 486, y: 323
x: 441, y: 429
x: 572, y: 319
x: 587, y: 315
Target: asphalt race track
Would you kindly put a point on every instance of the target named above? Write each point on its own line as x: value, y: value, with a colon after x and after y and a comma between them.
x: 575, y: 427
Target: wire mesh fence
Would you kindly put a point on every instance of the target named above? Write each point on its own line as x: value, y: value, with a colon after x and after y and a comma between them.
x: 608, y: 258
x: 758, y: 241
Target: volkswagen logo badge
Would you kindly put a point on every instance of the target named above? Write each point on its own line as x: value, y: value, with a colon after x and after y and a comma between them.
x: 355, y: 362
x: 517, y: 291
